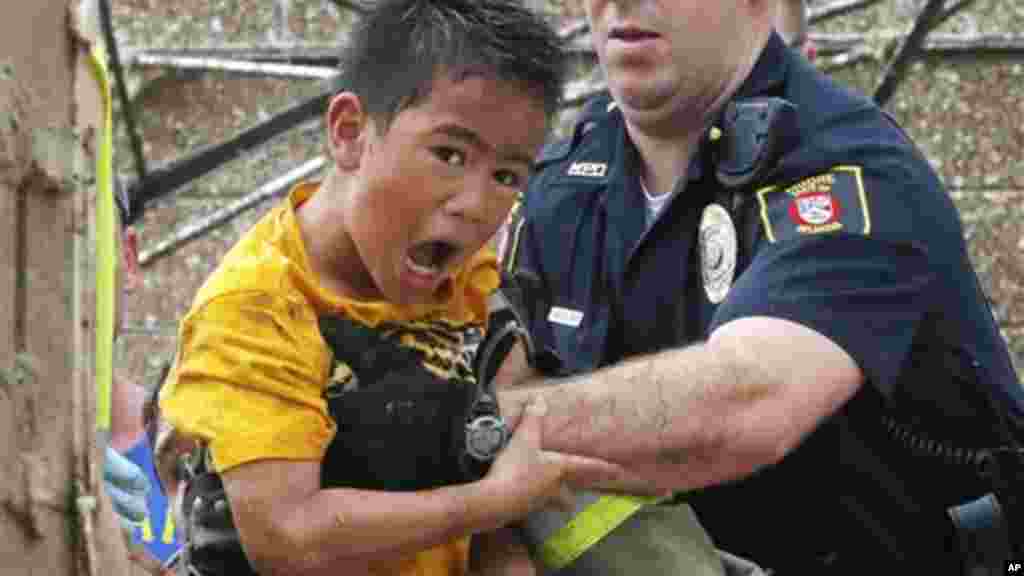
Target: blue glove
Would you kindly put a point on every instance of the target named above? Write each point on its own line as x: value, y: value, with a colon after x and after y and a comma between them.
x: 127, y: 486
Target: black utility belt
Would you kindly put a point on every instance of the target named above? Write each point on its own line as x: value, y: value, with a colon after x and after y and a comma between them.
x: 989, y: 528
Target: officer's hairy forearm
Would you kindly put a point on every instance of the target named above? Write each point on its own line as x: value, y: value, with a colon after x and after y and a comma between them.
x: 290, y: 526
x: 660, y: 415
x: 701, y: 415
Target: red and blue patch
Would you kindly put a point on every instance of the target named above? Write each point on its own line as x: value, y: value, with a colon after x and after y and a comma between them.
x: 827, y: 203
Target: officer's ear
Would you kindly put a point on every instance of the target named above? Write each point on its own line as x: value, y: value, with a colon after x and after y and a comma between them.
x: 347, y: 127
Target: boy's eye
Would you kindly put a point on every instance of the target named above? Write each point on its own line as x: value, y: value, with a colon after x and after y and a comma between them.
x: 450, y: 156
x: 508, y: 178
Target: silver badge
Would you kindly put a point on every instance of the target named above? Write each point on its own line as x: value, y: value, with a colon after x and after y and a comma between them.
x: 717, y: 241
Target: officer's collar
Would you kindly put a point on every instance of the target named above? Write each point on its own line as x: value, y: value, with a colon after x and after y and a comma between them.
x: 768, y: 73
x: 626, y: 146
x: 767, y: 76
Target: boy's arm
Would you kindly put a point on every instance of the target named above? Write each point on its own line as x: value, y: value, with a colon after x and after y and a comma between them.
x: 289, y: 525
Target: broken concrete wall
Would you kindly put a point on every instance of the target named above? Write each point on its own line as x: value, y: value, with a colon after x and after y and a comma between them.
x: 54, y: 518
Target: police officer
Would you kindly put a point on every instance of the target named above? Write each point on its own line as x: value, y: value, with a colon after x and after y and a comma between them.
x: 764, y: 298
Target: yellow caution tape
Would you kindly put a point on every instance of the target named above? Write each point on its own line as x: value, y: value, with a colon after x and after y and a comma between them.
x: 106, y: 246
x: 588, y: 528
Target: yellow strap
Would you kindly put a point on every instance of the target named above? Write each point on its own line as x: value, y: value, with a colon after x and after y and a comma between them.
x: 588, y: 528
x: 106, y: 246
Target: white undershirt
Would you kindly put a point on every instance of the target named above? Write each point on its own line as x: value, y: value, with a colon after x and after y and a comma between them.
x: 656, y: 203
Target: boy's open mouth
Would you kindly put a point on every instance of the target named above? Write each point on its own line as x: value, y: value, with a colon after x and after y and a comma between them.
x: 431, y: 257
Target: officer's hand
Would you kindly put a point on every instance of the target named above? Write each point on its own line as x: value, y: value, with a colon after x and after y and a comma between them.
x: 532, y: 478
x: 127, y: 486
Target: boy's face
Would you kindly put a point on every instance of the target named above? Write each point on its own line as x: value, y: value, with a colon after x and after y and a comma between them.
x: 431, y: 190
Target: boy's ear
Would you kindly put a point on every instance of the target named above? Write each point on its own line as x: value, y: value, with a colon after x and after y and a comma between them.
x: 347, y: 122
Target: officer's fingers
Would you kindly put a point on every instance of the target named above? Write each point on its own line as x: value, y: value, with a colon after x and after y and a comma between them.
x: 129, y: 506
x: 123, y: 473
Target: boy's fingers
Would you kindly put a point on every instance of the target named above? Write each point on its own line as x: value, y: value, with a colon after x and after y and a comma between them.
x: 513, y: 405
x: 584, y: 472
x: 537, y: 407
x: 529, y: 427
x: 566, y: 500
x: 631, y: 487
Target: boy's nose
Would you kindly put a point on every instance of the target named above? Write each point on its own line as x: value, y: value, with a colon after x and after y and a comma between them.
x: 470, y: 200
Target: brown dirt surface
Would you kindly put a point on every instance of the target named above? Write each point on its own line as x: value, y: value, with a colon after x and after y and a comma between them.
x: 966, y: 113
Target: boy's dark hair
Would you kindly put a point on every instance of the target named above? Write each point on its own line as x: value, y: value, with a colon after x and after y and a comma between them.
x: 399, y: 47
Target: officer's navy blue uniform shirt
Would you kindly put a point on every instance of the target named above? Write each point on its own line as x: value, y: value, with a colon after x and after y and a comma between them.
x: 851, y: 235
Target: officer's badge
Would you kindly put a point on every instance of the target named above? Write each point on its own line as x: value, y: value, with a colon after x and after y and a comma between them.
x: 718, y: 246
x: 827, y: 203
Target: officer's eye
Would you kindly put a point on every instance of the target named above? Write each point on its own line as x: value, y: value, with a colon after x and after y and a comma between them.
x: 508, y: 178
x: 449, y: 156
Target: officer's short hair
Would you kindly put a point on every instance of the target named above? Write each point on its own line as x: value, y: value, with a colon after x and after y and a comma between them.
x: 400, y: 47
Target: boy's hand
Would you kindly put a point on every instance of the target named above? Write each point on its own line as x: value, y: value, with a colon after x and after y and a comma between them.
x: 578, y: 472
x: 127, y: 486
x: 532, y: 478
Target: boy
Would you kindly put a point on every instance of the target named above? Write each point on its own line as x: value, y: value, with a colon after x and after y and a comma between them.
x: 367, y: 285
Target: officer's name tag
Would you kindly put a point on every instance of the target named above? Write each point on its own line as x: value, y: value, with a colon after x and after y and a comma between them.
x: 565, y: 317
x: 588, y: 169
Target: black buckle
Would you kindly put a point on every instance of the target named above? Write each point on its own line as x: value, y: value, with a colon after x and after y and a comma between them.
x: 1004, y: 469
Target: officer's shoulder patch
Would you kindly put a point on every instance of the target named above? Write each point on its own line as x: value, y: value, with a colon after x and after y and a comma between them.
x: 828, y: 203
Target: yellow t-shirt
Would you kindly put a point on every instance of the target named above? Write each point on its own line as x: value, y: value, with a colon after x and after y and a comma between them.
x: 252, y: 366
